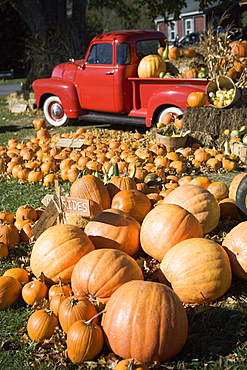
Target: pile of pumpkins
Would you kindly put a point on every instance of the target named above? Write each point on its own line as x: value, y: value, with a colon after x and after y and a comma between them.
x: 42, y: 160
x: 65, y: 287
x: 155, y: 65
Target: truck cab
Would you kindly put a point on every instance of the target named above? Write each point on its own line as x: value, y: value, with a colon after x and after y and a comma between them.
x: 99, y: 82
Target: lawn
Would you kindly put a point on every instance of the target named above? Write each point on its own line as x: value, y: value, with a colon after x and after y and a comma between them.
x: 217, y: 331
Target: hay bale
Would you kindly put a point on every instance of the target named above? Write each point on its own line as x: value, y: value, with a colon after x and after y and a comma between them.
x: 209, y: 123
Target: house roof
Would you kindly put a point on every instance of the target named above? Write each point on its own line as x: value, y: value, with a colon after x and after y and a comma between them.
x: 193, y: 8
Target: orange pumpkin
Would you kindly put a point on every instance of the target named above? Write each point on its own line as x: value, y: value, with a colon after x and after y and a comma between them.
x: 130, y: 364
x: 198, y: 270
x: 145, y: 320
x: 10, y: 291
x: 189, y: 53
x: 9, y: 235
x: 151, y: 66
x: 19, y: 274
x: 87, y: 279
x: 199, y: 201
x: 133, y: 202
x: 239, y: 48
x: 234, y: 184
x: 41, y: 325
x: 91, y: 187
x: 174, y: 53
x: 34, y: 292
x: 166, y: 225
x: 75, y: 308
x: 191, y: 73
x: 57, y: 250
x: 235, y: 244
x: 196, y: 99
x: 219, y: 189
x: 115, y: 229
x: 85, y: 340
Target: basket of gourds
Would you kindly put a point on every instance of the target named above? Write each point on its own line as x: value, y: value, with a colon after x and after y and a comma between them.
x: 170, y: 132
x: 222, y: 92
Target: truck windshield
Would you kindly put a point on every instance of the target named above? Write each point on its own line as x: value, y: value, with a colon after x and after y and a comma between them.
x: 100, y: 54
x: 146, y: 47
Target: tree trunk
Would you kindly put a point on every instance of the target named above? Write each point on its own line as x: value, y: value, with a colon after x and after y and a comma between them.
x: 79, y: 19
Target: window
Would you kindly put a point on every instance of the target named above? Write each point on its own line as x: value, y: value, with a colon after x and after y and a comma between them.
x: 146, y: 47
x: 100, y: 54
x: 188, y: 26
x: 172, y: 31
x: 123, y: 53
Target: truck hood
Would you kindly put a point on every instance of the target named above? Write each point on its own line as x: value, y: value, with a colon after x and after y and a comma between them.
x: 66, y: 71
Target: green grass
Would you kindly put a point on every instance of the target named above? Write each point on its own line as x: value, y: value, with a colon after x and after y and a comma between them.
x: 12, y: 81
x: 217, y: 331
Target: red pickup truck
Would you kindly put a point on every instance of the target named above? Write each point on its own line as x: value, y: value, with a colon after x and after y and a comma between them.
x: 105, y: 85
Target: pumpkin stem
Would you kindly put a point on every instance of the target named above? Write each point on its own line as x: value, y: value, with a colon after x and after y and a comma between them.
x: 94, y: 317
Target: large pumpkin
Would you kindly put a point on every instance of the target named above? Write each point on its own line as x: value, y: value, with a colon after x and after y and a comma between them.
x: 115, y: 229
x: 145, y: 320
x: 196, y: 99
x: 166, y: 225
x: 57, y: 250
x: 198, y: 269
x: 234, y: 185
x: 98, y: 274
x: 91, y: 187
x: 199, y: 201
x: 235, y: 244
x: 151, y: 66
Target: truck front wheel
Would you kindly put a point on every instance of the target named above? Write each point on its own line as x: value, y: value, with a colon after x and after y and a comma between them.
x: 175, y: 111
x: 54, y: 112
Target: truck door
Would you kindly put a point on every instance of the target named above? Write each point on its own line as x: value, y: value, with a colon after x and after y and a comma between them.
x: 96, y: 79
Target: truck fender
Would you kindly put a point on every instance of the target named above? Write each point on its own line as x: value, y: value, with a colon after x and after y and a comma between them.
x: 64, y: 90
x: 169, y: 96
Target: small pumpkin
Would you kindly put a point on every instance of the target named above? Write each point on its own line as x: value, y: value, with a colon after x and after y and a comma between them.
x: 10, y: 291
x: 41, y: 325
x: 75, y: 308
x: 196, y: 99
x: 151, y: 66
x: 191, y: 73
x: 19, y: 274
x: 130, y: 364
x: 85, y: 340
x: 9, y: 235
x: 189, y: 53
x: 174, y: 53
x: 34, y: 292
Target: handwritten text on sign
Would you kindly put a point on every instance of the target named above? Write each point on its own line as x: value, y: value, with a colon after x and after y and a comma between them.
x: 71, y: 205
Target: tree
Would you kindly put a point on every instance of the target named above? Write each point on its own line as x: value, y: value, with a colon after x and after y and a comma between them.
x: 57, y: 28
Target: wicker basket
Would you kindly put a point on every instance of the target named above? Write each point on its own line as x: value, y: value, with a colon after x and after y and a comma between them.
x: 223, y: 82
x: 240, y: 150
x: 173, y: 142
